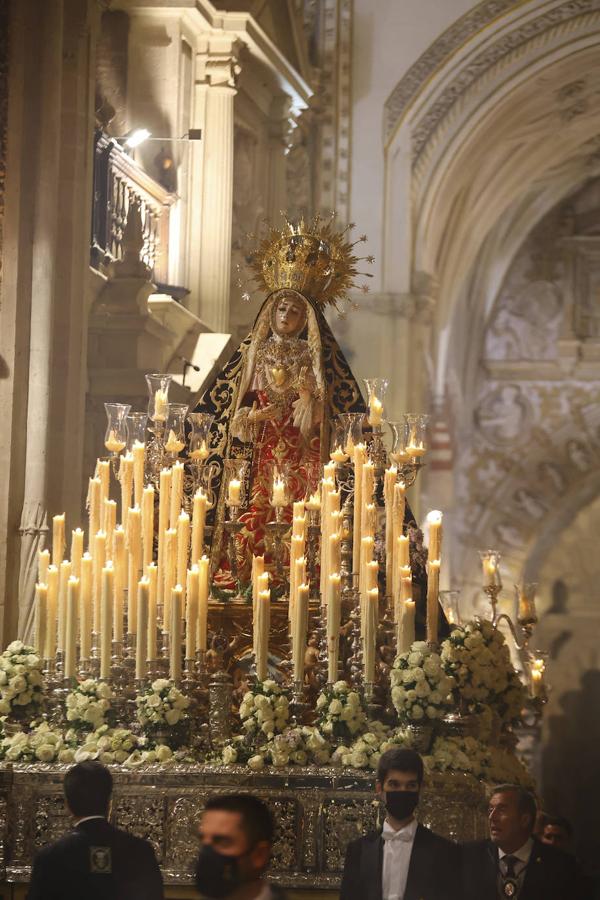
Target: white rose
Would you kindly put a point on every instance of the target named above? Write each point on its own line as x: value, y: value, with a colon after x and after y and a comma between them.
x: 161, y: 684
x: 335, y: 708
x: 66, y: 755
x: 279, y: 758
x: 229, y: 755
x: 417, y: 712
x: 18, y: 684
x: 358, y: 760
x: 163, y: 753
x: 172, y: 716
x: 321, y: 701
x: 256, y: 762
x: 4, y: 707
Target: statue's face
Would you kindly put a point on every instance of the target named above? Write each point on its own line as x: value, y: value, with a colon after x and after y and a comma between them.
x: 289, y: 315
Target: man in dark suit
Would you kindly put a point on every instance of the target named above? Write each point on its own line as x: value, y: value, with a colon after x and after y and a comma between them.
x: 405, y: 861
x: 94, y: 861
x: 514, y: 863
x: 236, y: 836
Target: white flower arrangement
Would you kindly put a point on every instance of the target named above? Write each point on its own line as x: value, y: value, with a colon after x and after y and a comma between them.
x: 480, y: 760
x: 40, y: 745
x: 88, y: 705
x: 476, y: 655
x: 20, y: 679
x: 421, y: 689
x: 162, y: 705
x: 340, y: 712
x: 264, y: 710
x: 108, y: 745
x: 293, y: 747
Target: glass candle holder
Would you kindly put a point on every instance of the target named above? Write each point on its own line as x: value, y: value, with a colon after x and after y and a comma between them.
x: 235, y: 479
x: 398, y: 452
x: 450, y: 603
x: 338, y: 452
x: 525, y: 601
x: 490, y: 561
x: 158, y: 398
x: 352, y: 424
x: 136, y: 427
x: 416, y: 427
x: 376, y: 388
x: 199, y: 448
x: 115, y: 439
x: 175, y: 430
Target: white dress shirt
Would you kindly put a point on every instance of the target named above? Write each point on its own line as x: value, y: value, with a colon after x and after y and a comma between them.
x: 397, y: 848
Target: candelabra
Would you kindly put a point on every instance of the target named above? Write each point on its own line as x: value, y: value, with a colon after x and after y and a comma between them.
x: 276, y: 531
x: 313, y: 533
x: 232, y: 528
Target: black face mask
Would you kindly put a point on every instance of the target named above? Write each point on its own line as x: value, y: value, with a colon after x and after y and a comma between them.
x: 401, y: 804
x: 217, y: 875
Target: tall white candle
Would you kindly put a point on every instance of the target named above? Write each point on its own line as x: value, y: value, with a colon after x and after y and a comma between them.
x: 76, y: 551
x: 407, y: 626
x: 359, y: 460
x: 175, y: 633
x: 141, y: 636
x: 94, y: 510
x: 134, y: 550
x: 72, y: 604
x: 41, y: 618
x: 43, y: 563
x: 110, y: 523
x: 108, y: 590
x: 434, y: 520
x: 121, y: 575
x: 203, y: 571
x: 64, y: 575
x: 103, y: 473
x: 164, y: 505
x: 99, y: 562
x: 198, y: 525
x: 126, y: 482
x: 58, y: 539
x: 370, y: 639
x: 86, y: 604
x: 299, y: 632
x: 389, y: 480
x: 433, y: 591
x: 176, y: 493
x: 52, y: 622
x: 147, y: 526
x: 263, y: 616
x: 191, y: 611
x: 333, y: 627
x: 152, y: 575
x: 170, y: 574
x: 139, y: 460
x: 183, y: 547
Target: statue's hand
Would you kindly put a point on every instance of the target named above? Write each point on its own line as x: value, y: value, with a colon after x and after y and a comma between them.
x: 259, y: 414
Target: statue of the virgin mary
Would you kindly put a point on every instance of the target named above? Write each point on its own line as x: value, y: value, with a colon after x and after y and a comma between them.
x: 277, y: 398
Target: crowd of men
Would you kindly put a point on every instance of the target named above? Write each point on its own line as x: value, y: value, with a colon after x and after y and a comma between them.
x: 525, y: 857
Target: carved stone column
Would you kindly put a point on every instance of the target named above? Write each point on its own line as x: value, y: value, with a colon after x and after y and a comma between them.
x: 217, y: 68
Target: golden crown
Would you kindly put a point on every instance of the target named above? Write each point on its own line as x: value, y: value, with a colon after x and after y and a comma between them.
x: 313, y: 258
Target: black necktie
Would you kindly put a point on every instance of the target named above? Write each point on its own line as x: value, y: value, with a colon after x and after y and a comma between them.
x: 509, y: 887
x: 509, y: 862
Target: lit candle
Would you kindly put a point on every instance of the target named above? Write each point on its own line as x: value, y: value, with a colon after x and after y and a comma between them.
x: 152, y: 575
x: 58, y: 539
x: 537, y: 678
x: 183, y: 547
x: 173, y: 444
x: 43, y: 563
x: 333, y: 627
x: 108, y: 590
x: 161, y: 406
x: 72, y: 604
x: 191, y: 611
x: 203, y: 567
x: 64, y: 575
x: 134, y: 550
x: 113, y: 443
x: 338, y: 455
x: 335, y: 559
x: 234, y: 492
x: 170, y: 574
x: 200, y: 453
x: 175, y: 633
x: 263, y: 610
x: 490, y: 572
x: 176, y: 493
x: 314, y: 502
x: 52, y: 619
x: 76, y: 551
x: 371, y: 574
x: 41, y: 618
x: 433, y: 590
x: 141, y: 637
x: 126, y: 482
x: 198, y: 525
x: 85, y: 606
x: 164, y: 504
x: 120, y: 580
x: 279, y: 498
x: 389, y: 480
x: 375, y: 411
